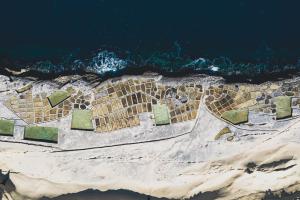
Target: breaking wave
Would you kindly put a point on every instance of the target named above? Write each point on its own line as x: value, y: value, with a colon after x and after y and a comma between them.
x: 101, y: 63
x: 105, y: 62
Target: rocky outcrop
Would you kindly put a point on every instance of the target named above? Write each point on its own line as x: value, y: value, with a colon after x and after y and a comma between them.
x: 261, y: 155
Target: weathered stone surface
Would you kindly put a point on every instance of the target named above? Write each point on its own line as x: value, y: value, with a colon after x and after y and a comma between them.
x: 182, y: 157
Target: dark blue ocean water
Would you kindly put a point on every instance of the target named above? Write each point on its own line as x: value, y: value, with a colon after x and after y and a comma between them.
x: 170, y: 36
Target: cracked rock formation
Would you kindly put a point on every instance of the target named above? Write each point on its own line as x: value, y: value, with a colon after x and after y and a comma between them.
x: 183, y: 159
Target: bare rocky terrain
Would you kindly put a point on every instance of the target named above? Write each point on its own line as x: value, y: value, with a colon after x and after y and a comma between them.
x: 178, y: 160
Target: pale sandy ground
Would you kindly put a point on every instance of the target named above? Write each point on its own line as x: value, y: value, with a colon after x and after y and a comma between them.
x: 176, y: 168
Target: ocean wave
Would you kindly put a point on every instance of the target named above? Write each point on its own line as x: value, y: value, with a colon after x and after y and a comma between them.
x: 106, y: 62
x: 101, y: 63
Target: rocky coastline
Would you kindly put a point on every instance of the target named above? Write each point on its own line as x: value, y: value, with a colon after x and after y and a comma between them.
x: 201, y: 152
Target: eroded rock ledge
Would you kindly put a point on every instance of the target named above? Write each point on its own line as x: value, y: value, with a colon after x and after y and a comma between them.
x: 153, y: 135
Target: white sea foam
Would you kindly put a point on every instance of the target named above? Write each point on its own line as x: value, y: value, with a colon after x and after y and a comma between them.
x: 106, y: 61
x: 199, y: 61
x: 214, y: 68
